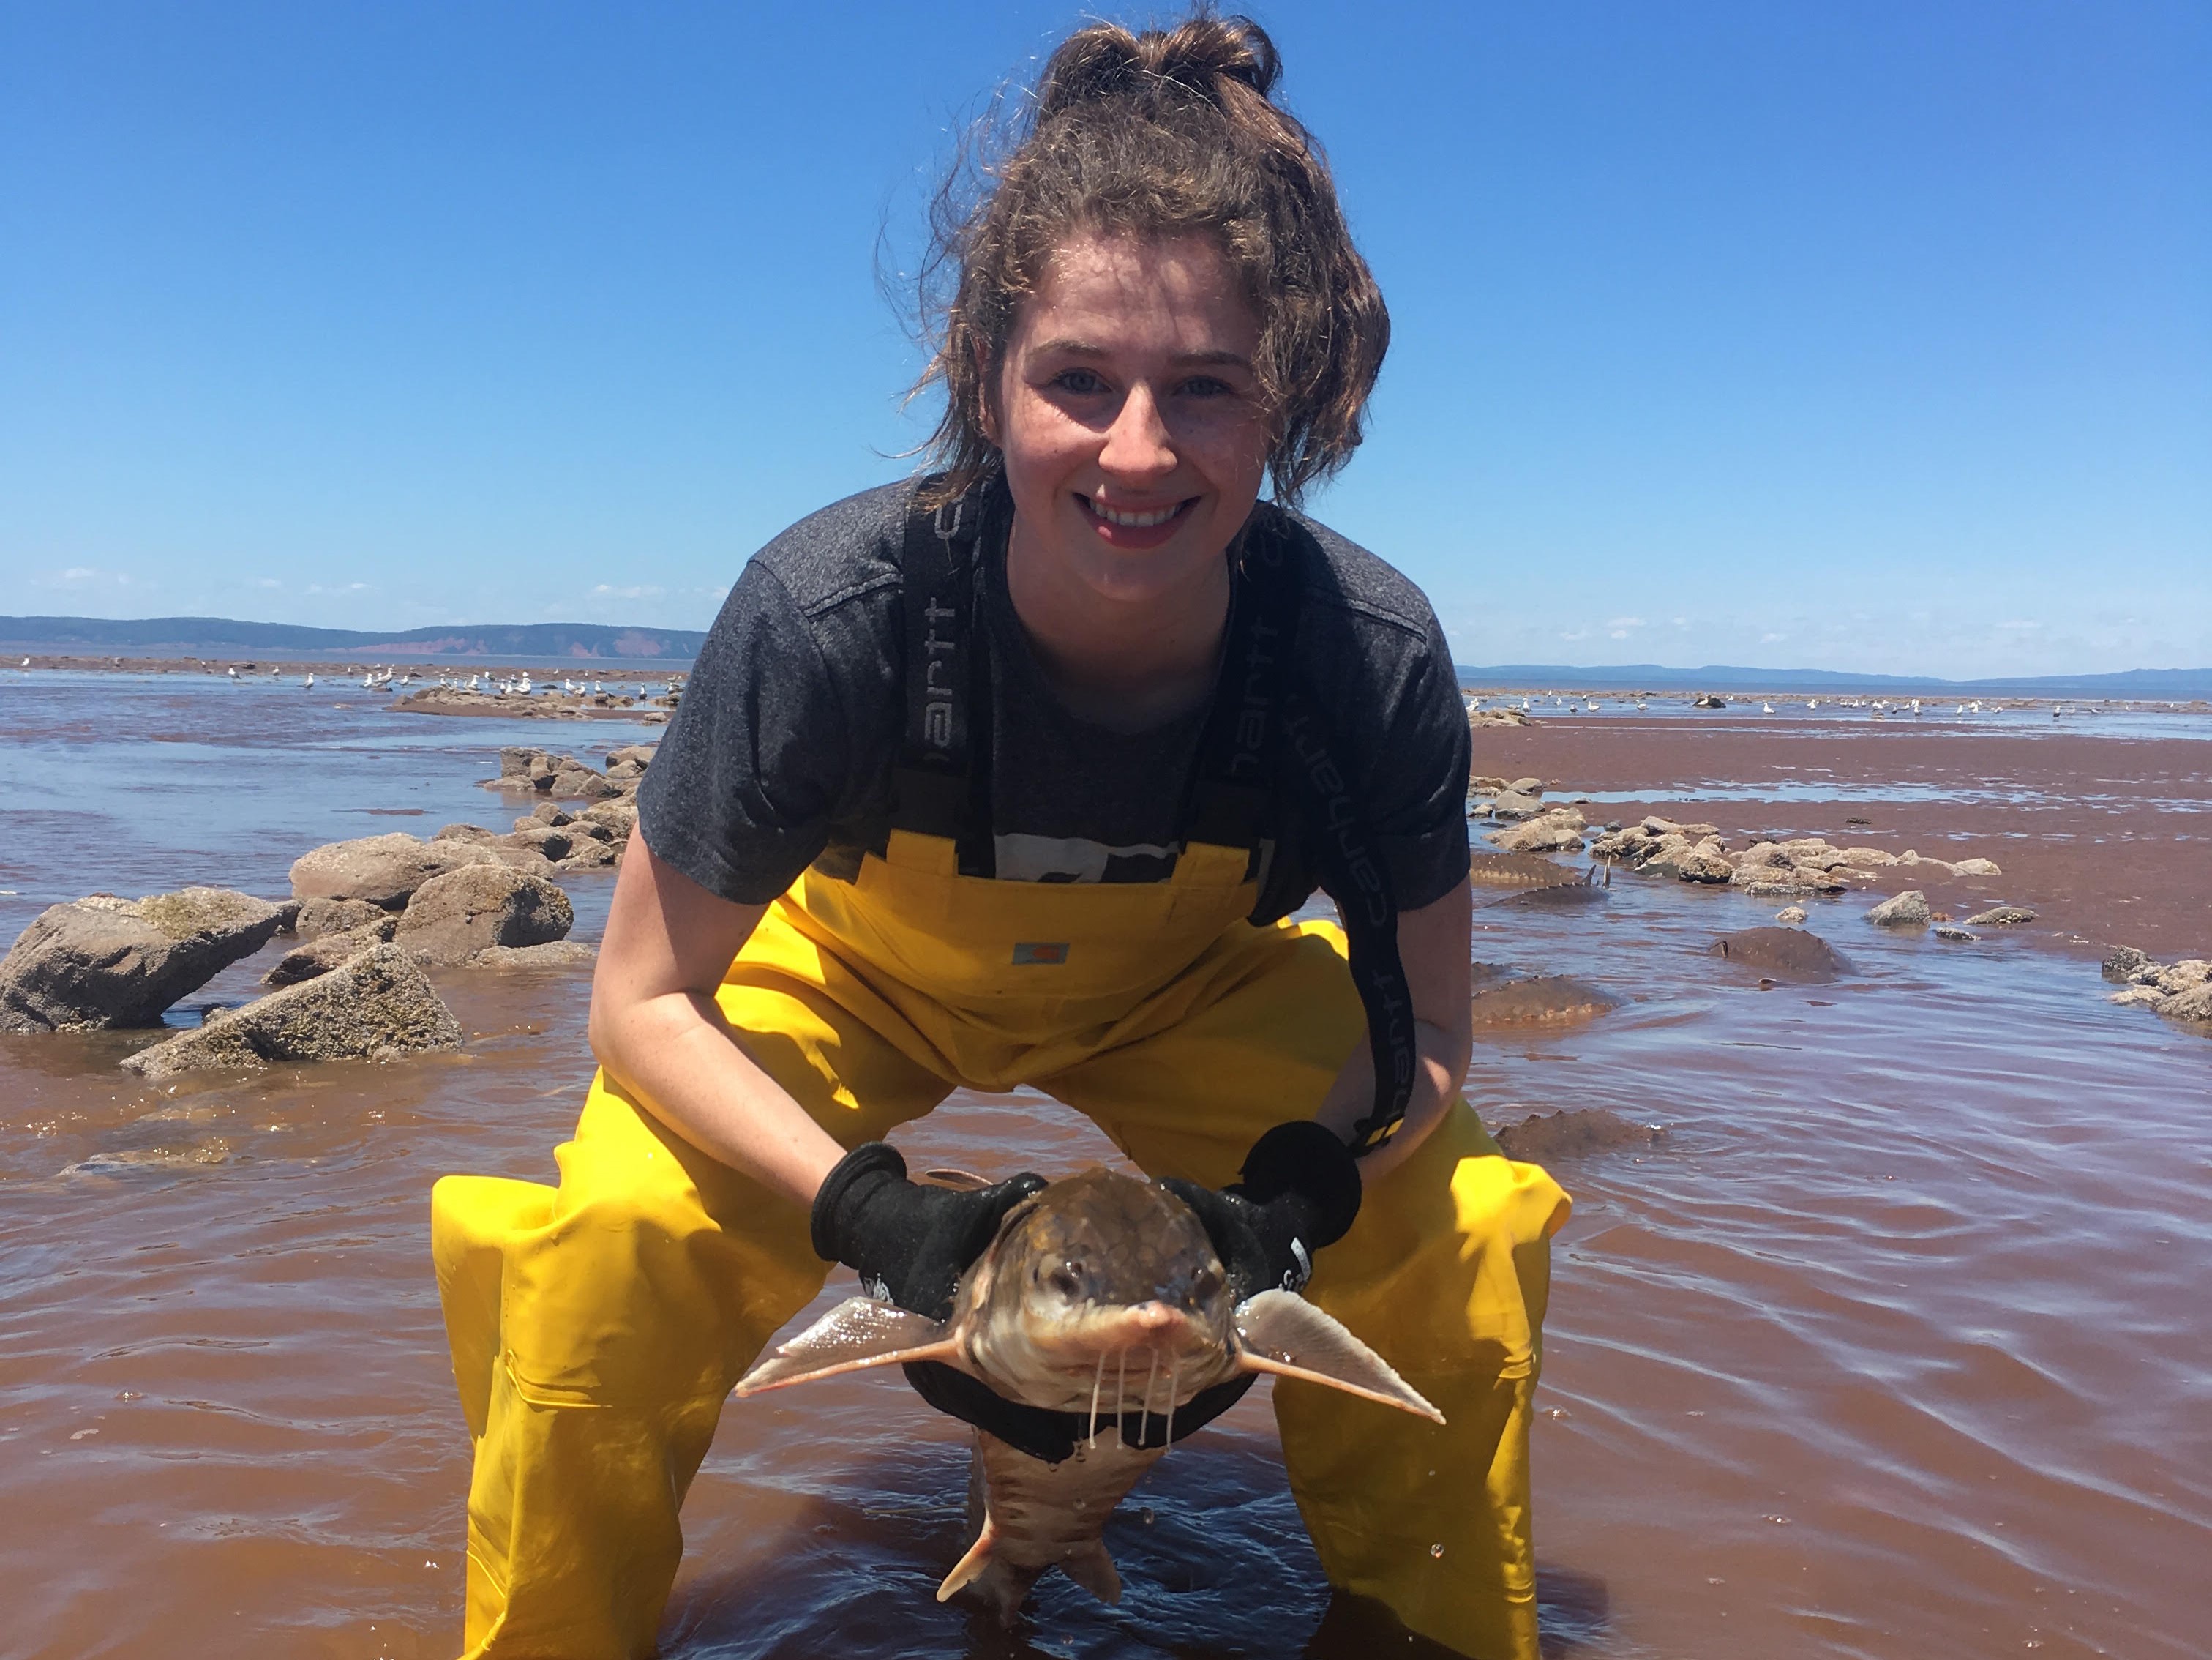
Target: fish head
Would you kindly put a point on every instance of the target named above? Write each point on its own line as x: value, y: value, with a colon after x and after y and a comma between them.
x: 1102, y: 1282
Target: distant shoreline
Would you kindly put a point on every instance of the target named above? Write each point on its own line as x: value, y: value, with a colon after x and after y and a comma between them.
x: 615, y: 674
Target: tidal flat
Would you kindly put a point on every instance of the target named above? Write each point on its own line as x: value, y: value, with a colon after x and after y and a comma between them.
x: 1878, y: 1331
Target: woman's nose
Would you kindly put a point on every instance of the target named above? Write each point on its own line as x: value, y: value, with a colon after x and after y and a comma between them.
x: 1138, y: 444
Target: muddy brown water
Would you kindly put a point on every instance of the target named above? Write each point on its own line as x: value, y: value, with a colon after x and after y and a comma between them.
x: 1894, y: 1343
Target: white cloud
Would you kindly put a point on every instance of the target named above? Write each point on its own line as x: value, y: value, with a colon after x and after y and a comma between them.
x: 1621, y: 625
x: 79, y: 577
x: 605, y: 590
x: 1768, y: 639
x: 343, y: 587
x: 1579, y: 634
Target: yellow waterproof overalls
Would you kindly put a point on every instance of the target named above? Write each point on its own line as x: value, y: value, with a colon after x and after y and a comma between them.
x: 597, y: 1328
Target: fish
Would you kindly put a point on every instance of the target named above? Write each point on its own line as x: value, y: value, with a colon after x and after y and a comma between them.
x: 1518, y: 870
x: 1549, y: 1000
x: 1783, y: 954
x: 1101, y: 1297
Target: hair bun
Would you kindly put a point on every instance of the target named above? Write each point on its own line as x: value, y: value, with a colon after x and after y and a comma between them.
x: 1106, y: 61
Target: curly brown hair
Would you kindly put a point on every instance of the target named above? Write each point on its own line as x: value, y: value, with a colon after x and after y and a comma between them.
x: 1158, y: 134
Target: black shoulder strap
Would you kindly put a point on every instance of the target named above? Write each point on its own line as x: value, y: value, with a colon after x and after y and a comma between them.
x: 1354, y: 875
x: 1264, y: 731
x: 942, y: 765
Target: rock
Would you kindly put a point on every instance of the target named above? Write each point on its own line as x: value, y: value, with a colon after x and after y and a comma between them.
x: 1513, y: 804
x: 1762, y: 855
x: 1517, y: 870
x: 1543, y: 1137
x: 384, y: 869
x: 553, y: 954
x: 1790, y: 914
x: 1709, y: 701
x: 588, y: 854
x: 326, y: 951
x: 318, y: 917
x: 542, y: 839
x: 1783, y: 954
x: 377, y: 1005
x: 1950, y: 931
x: 107, y: 962
x: 453, y: 916
x: 545, y: 813
x: 523, y: 858
x: 2002, y: 916
x: 576, y: 781
x: 1866, y: 857
x: 616, y: 818
x: 463, y: 833
x: 633, y: 755
x: 1551, y: 1000
x: 1555, y: 832
x: 2124, y: 963
x: 1703, y: 863
x: 288, y: 915
x: 520, y: 764
x: 2145, y: 996
x: 2193, y: 1006
x: 1485, y: 786
x: 1527, y: 786
x: 2186, y: 975
x: 1908, y: 910
x: 1975, y: 867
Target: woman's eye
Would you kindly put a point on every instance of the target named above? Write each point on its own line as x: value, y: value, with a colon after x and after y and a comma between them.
x: 1207, y: 386
x: 1079, y: 381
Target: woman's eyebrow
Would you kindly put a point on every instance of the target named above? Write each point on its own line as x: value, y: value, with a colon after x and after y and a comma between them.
x: 1069, y: 347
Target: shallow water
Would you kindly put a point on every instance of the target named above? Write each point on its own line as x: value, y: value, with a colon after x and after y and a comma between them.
x: 1893, y: 1344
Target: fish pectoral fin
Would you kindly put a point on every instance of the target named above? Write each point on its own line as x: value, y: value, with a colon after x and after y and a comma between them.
x: 1091, y: 1567
x: 860, y: 1332
x: 1285, y: 1335
x: 965, y: 1571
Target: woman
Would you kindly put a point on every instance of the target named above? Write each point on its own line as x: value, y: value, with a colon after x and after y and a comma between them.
x: 1009, y: 778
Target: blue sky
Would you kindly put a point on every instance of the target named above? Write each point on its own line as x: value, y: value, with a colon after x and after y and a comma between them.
x: 1873, y: 337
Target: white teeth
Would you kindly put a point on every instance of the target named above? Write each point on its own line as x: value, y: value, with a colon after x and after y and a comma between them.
x: 1136, y: 521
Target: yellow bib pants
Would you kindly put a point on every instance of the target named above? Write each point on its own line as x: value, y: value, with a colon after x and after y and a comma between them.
x: 597, y: 1328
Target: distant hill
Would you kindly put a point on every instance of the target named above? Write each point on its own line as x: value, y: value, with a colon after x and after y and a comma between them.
x: 1721, y: 677
x: 190, y: 635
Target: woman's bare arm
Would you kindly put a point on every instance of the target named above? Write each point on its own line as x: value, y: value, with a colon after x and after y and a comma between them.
x: 1436, y: 945
x: 657, y: 1030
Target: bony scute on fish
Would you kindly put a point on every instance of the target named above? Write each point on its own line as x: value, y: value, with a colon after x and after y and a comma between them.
x: 1102, y: 1308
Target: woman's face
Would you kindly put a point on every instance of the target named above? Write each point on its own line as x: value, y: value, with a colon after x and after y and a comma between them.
x: 1129, y: 419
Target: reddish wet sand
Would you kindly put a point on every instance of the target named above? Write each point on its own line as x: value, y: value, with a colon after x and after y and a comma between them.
x: 2108, y: 839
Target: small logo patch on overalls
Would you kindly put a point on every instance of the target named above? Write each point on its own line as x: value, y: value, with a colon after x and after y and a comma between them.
x: 1052, y: 951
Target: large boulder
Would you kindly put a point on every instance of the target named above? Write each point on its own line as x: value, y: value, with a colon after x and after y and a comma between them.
x: 384, y: 870
x: 329, y: 951
x: 1908, y: 910
x: 109, y: 962
x: 377, y: 1007
x: 453, y: 916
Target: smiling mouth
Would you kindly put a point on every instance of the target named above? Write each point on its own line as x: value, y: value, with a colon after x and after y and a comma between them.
x: 1148, y: 518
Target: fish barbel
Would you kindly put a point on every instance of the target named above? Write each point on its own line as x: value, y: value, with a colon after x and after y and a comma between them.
x: 1100, y: 1297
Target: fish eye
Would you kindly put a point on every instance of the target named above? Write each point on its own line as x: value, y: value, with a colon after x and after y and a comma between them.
x: 1064, y: 1278
x: 1204, y: 1284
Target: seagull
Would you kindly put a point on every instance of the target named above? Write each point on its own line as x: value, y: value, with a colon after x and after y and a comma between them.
x: 1769, y: 707
x: 1814, y: 704
x: 1593, y: 706
x: 26, y: 662
x: 233, y: 674
x: 1639, y: 704
x: 309, y: 684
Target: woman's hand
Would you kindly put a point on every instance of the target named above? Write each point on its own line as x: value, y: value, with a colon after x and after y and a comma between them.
x: 658, y: 1031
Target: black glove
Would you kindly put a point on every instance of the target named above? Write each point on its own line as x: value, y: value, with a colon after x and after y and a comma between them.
x: 1300, y: 1191
x: 908, y: 1242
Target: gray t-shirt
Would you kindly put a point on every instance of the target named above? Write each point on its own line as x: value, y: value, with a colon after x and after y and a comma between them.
x: 780, y: 754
